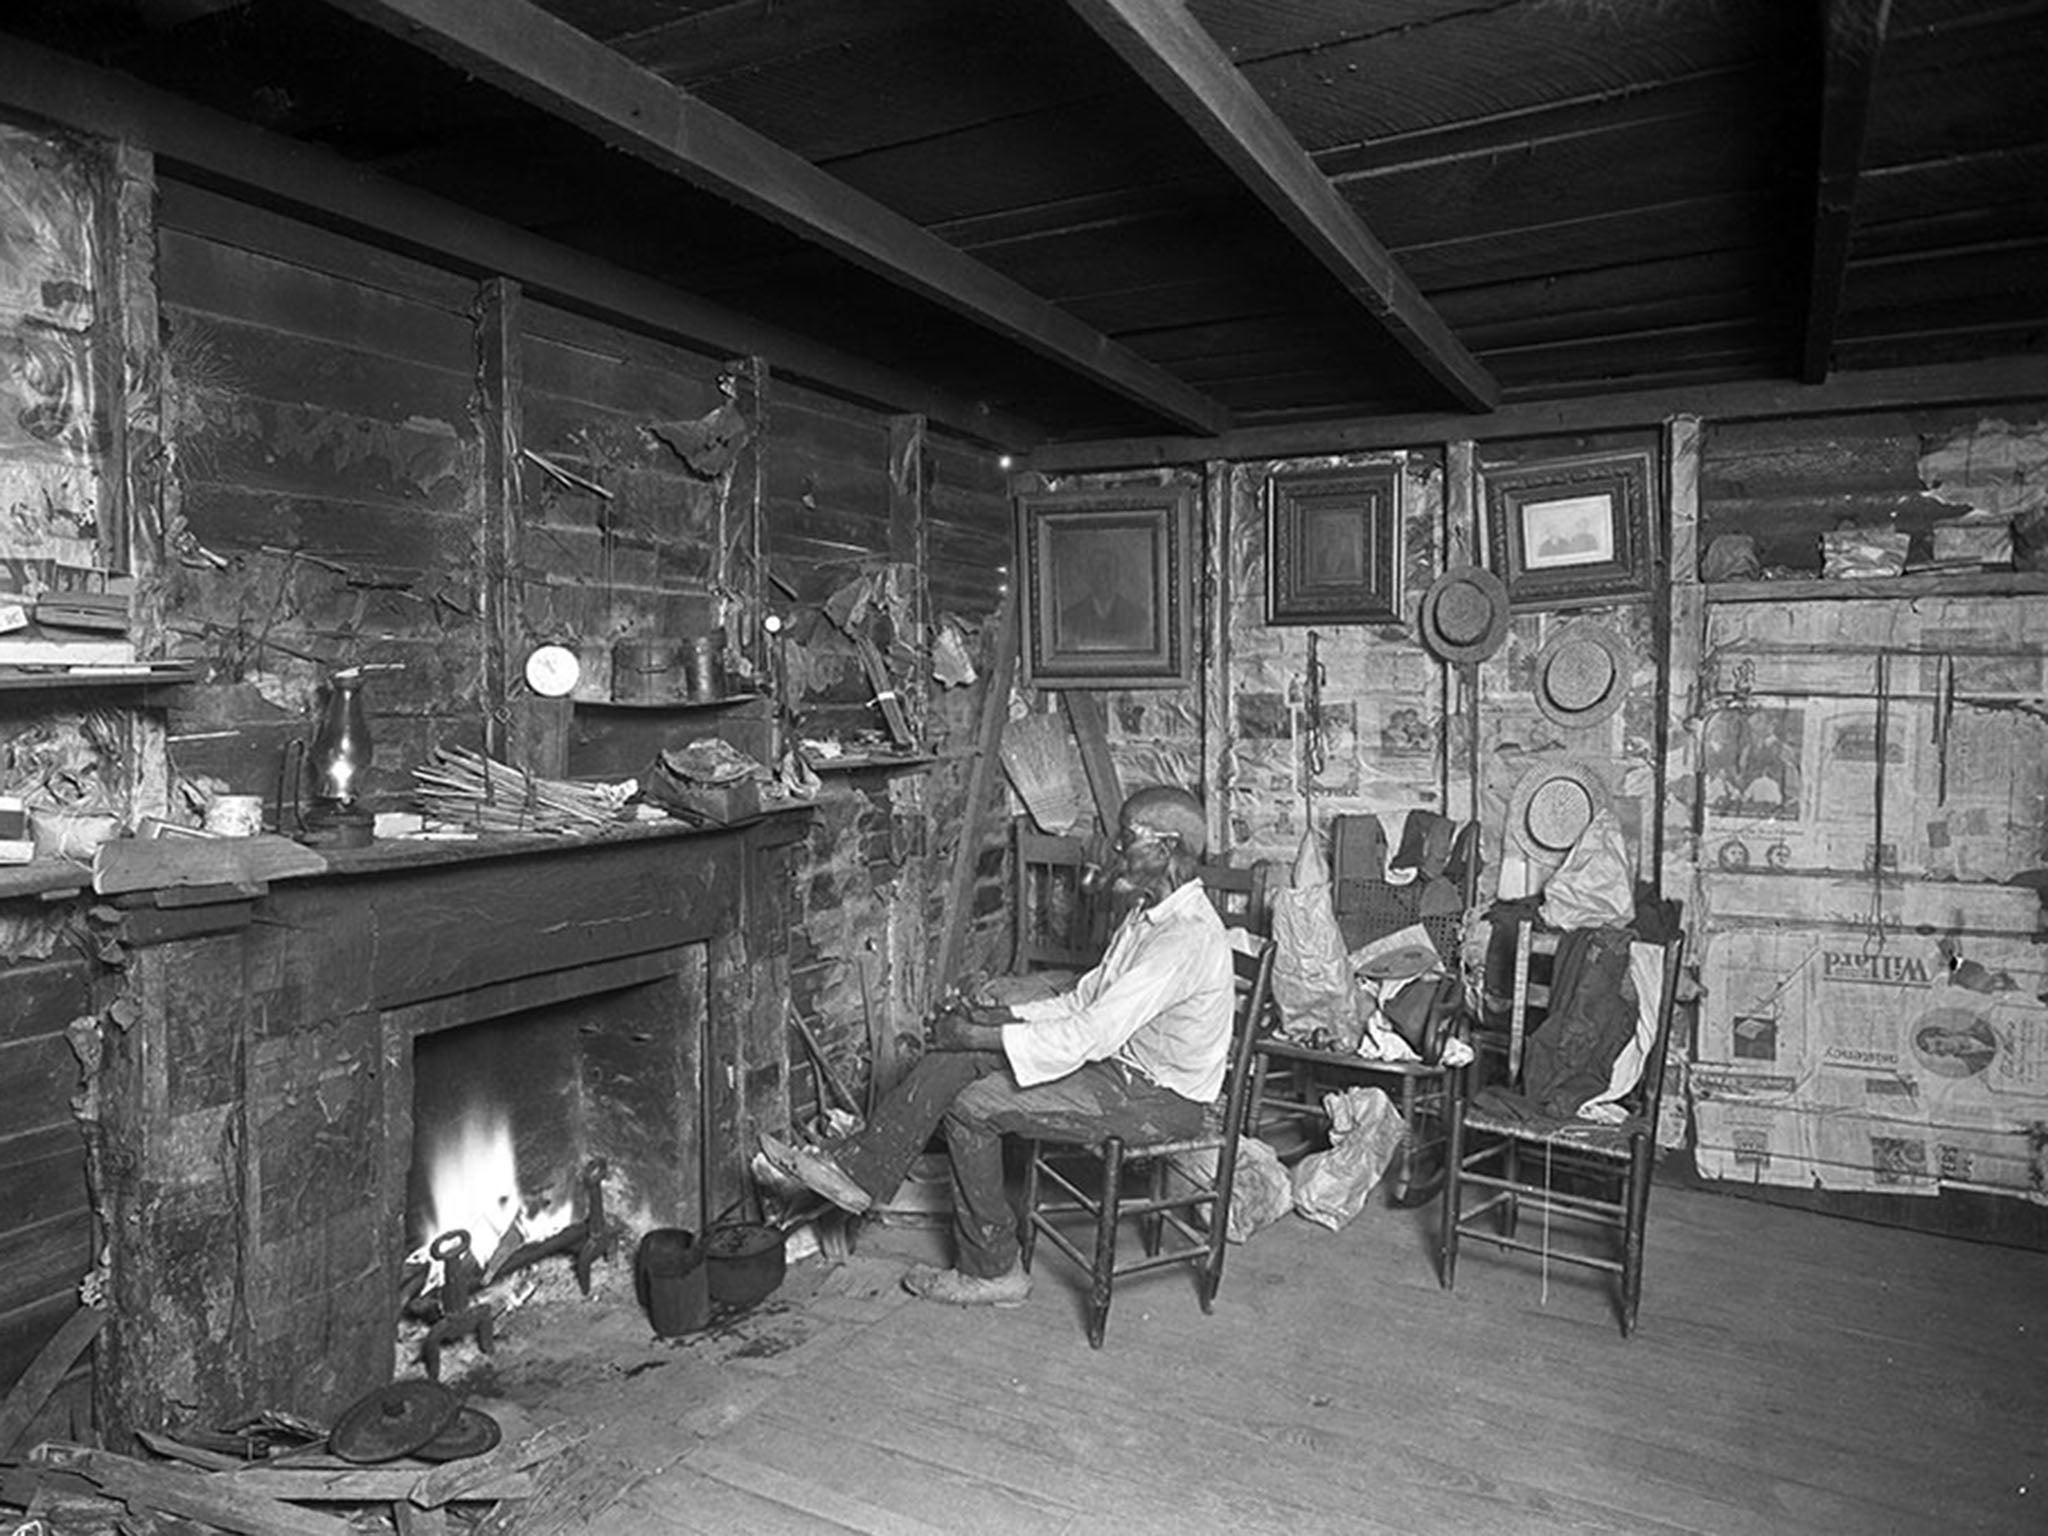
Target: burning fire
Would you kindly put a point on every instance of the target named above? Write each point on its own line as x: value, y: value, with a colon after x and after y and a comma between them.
x: 473, y: 1185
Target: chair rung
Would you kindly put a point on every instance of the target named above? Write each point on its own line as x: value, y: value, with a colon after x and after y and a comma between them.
x: 1166, y: 1207
x: 1549, y: 1251
x: 1563, y: 1147
x: 1272, y: 1100
x: 1061, y: 1241
x: 1078, y: 1198
x: 1208, y: 1141
x: 1607, y: 1212
x: 1159, y: 1260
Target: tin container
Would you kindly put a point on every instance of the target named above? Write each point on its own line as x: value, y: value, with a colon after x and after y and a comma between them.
x: 648, y: 671
x: 707, y: 669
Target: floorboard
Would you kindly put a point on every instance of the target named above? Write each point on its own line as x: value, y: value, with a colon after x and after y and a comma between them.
x: 1792, y: 1375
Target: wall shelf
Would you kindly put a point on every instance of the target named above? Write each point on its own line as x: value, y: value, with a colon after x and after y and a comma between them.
x: 1917, y: 584
x: 142, y: 674
x: 852, y: 764
x: 670, y: 704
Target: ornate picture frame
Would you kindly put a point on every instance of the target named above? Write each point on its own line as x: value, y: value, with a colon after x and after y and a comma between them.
x: 1333, y: 546
x: 1567, y: 532
x: 1107, y: 587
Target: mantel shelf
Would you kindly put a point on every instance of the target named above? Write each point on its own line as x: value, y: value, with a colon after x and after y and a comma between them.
x: 1918, y: 584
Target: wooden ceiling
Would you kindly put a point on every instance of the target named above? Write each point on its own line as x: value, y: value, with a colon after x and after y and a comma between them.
x: 1054, y: 222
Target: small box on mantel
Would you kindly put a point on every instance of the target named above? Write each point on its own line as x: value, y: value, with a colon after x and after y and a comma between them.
x: 1974, y: 541
x: 13, y: 818
x: 723, y: 804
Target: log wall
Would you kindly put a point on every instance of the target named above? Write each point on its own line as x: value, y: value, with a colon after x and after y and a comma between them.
x: 318, y: 399
x: 47, y: 1233
x: 368, y: 460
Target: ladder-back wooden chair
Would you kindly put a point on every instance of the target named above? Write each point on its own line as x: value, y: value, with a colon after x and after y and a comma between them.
x: 1058, y: 925
x: 1182, y: 1214
x: 1241, y: 897
x: 1586, y: 1181
x: 1290, y: 1079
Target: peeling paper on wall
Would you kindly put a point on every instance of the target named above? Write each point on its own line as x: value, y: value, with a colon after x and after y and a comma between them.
x: 31, y: 936
x: 1994, y: 468
x: 49, y: 492
x: 1155, y: 737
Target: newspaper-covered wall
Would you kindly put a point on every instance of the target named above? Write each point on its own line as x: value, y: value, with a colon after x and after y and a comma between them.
x: 1874, y: 817
x: 49, y: 476
x: 1380, y: 746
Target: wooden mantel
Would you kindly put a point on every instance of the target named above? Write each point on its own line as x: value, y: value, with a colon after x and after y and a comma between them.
x: 257, y: 1111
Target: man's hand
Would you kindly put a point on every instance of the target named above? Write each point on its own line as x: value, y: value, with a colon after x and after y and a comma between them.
x: 970, y: 1029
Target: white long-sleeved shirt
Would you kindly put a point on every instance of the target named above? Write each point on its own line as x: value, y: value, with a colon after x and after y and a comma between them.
x: 1161, y: 1001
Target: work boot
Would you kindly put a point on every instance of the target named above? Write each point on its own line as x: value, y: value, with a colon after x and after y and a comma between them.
x: 818, y: 1173
x: 1012, y: 1288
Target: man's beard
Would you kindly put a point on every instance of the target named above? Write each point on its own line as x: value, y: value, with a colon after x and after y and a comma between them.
x: 1141, y: 887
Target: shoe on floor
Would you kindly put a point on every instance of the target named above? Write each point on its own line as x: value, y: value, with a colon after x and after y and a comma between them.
x: 1010, y: 1289
x: 818, y: 1173
x: 780, y: 1154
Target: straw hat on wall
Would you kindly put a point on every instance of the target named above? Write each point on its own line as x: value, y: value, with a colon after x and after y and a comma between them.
x: 1582, y: 675
x: 1464, y: 614
x: 1552, y: 805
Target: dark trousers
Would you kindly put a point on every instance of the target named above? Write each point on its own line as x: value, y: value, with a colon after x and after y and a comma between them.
x: 979, y: 1100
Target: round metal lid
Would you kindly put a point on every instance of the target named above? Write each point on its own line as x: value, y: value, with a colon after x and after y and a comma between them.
x: 393, y: 1421
x: 472, y: 1433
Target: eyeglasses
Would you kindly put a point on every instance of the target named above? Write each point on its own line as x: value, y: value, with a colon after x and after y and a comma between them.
x: 1131, y: 837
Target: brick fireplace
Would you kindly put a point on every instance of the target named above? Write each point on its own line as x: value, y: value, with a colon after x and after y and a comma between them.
x: 258, y: 1121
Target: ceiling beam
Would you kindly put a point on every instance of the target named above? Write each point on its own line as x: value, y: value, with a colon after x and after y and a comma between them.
x: 1963, y: 384
x: 317, y: 185
x: 525, y: 51
x: 1855, y: 39
x: 1179, y: 60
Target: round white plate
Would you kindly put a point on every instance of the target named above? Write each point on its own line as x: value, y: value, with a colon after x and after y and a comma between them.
x: 552, y: 670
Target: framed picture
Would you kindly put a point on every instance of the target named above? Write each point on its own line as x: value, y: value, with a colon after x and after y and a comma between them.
x: 1333, y: 546
x: 1107, y: 587
x: 1571, y: 531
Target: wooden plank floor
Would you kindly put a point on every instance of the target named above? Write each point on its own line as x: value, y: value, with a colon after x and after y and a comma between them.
x: 1792, y: 1373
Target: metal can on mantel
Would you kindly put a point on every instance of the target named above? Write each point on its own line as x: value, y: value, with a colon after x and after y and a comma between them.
x: 647, y: 671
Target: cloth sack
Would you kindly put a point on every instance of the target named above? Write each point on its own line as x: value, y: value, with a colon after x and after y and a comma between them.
x: 1260, y: 1193
x: 1331, y: 1188
x: 1312, y: 980
x: 1593, y: 887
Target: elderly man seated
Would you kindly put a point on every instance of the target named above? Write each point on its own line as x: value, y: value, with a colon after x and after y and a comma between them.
x: 1137, y: 1049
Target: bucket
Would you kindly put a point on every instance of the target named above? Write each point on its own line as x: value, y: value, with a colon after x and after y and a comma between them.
x: 747, y: 1262
x: 670, y: 1279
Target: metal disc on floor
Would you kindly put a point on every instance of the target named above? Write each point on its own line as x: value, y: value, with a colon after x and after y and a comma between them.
x: 472, y: 1433
x: 393, y: 1421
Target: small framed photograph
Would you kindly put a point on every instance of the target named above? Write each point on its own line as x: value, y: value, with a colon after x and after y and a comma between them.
x: 1333, y: 546
x: 1107, y: 587
x: 1571, y: 531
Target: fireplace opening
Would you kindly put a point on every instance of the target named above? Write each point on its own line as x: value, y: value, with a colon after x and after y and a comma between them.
x: 556, y: 1128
